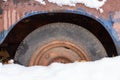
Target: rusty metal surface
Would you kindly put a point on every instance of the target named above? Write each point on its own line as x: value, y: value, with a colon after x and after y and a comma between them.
x: 13, y: 10
x: 58, y: 51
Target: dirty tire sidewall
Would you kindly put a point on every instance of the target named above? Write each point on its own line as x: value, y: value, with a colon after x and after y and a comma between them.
x: 63, y: 32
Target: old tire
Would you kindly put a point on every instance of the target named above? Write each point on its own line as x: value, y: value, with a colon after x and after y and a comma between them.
x: 59, y: 42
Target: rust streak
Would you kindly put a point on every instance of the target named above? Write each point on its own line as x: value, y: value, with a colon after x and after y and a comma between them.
x: 13, y: 16
x: 9, y: 17
x: 18, y: 17
x: 5, y: 20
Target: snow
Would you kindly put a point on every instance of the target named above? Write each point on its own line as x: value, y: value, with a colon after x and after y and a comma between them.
x: 104, y: 69
x: 97, y: 4
x: 41, y: 1
x: 5, y: 0
x: 11, y: 61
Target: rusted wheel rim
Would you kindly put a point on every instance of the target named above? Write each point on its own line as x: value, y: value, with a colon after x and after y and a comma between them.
x: 58, y: 51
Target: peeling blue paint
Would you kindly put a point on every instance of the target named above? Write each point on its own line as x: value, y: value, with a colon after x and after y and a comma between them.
x: 1, y: 10
x: 108, y: 25
x: 28, y: 14
x: 3, y: 34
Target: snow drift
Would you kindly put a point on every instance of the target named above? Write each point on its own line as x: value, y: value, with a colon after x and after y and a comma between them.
x: 104, y: 69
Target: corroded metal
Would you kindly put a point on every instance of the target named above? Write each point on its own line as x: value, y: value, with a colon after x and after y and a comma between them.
x: 14, y: 10
x: 58, y: 51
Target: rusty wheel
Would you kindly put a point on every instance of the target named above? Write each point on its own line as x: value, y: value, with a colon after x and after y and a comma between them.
x: 59, y: 42
x: 58, y: 51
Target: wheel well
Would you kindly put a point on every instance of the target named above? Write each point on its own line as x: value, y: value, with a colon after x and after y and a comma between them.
x: 27, y: 25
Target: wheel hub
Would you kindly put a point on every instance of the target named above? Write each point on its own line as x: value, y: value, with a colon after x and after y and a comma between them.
x: 58, y: 51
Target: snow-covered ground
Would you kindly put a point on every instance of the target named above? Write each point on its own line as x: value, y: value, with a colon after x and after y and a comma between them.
x: 104, y: 69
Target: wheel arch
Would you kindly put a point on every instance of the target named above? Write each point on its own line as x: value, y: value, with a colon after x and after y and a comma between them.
x: 32, y: 21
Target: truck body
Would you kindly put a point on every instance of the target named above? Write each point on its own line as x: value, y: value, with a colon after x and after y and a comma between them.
x: 18, y: 18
